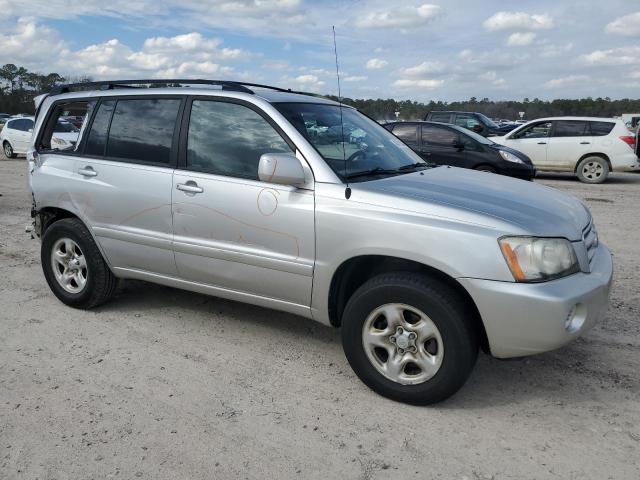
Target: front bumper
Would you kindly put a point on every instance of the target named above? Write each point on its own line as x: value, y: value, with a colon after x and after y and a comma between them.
x: 528, y: 318
x: 516, y: 170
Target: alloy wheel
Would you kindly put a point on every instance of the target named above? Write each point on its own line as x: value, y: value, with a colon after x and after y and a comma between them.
x: 69, y: 265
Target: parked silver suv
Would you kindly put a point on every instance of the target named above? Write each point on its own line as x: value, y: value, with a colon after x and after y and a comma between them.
x: 296, y: 203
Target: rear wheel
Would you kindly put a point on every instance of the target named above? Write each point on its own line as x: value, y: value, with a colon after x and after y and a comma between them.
x: 73, y: 265
x: 8, y: 150
x: 593, y: 170
x: 409, y: 337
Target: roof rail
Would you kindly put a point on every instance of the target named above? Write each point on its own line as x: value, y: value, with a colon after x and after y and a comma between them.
x: 114, y: 84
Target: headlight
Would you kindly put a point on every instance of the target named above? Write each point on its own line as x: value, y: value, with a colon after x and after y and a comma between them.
x: 533, y: 259
x: 510, y: 157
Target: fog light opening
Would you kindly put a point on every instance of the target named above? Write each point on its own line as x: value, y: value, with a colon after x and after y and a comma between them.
x: 575, y: 318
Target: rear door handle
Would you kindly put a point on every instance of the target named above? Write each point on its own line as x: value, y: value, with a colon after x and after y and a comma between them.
x: 189, y: 187
x: 542, y: 143
x: 585, y: 143
x: 88, y: 172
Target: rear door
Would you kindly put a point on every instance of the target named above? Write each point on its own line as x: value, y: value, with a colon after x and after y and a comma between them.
x: 123, y: 180
x: 233, y: 231
x: 441, y: 145
x: 569, y: 141
x: 532, y: 140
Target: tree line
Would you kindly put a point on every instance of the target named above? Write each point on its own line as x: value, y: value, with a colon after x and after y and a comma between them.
x: 18, y: 86
x: 384, y: 109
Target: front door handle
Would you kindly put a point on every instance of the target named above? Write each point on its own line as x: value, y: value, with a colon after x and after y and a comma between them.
x: 585, y: 143
x: 189, y: 187
x: 88, y: 172
x: 542, y: 143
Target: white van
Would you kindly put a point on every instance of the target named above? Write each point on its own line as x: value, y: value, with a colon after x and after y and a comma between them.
x: 590, y: 147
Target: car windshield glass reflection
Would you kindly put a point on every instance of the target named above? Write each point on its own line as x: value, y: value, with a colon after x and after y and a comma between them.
x: 353, y: 145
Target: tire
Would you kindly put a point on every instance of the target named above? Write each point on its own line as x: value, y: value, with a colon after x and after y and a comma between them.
x: 486, y: 168
x: 593, y: 170
x: 73, y: 265
x: 8, y: 150
x: 452, y: 346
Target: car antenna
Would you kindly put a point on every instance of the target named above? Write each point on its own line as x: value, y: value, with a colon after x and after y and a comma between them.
x: 347, y: 191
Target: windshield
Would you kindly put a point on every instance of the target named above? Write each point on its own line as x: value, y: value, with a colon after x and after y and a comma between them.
x: 65, y: 127
x: 487, y: 121
x: 357, y: 147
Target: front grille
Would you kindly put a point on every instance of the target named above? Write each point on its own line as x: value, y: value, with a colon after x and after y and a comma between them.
x: 590, y: 237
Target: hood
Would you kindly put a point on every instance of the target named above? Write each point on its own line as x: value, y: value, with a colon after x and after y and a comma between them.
x: 68, y: 136
x: 532, y: 209
x: 502, y: 129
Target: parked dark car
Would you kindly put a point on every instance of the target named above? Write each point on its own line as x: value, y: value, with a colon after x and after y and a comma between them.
x: 474, y: 121
x: 456, y: 146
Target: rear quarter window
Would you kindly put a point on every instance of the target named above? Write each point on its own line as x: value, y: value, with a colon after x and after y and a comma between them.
x: 600, y: 129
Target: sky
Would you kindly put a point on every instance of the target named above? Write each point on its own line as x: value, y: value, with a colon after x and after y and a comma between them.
x: 435, y: 50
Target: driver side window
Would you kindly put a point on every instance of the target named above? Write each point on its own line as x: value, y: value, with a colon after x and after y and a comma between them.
x: 537, y: 130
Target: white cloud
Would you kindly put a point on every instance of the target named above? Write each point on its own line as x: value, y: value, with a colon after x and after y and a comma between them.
x: 29, y: 44
x: 307, y: 79
x: 635, y: 75
x: 376, y: 64
x: 492, y: 77
x: 554, y: 51
x: 355, y: 78
x: 627, y: 25
x: 569, y: 81
x: 403, y: 17
x: 613, y: 56
x: 417, y: 83
x: 521, y: 39
x: 518, y: 21
x: 423, y: 69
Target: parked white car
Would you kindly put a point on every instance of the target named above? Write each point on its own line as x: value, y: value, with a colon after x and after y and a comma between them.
x: 590, y: 147
x: 17, y: 132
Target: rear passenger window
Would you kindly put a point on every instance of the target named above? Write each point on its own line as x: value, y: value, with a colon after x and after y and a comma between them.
x: 570, y: 128
x: 142, y: 130
x: 434, y: 135
x: 97, y: 140
x: 600, y: 129
x: 229, y: 139
x: 407, y: 133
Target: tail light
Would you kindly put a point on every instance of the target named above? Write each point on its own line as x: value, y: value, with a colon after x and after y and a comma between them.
x: 629, y: 140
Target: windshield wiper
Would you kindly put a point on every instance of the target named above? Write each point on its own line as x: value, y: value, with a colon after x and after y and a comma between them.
x: 413, y: 166
x: 373, y: 171
x: 388, y: 171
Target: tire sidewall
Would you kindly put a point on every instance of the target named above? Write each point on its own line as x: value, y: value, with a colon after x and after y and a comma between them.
x: 52, y: 234
x: 460, y: 347
x: 601, y: 161
x: 6, y: 146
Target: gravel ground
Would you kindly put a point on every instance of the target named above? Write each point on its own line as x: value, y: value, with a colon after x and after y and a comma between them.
x: 167, y: 384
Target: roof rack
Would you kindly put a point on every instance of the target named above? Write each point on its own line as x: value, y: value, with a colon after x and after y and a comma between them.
x: 114, y: 84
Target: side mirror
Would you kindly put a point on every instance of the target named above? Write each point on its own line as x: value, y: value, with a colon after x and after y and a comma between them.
x: 281, y: 168
x: 30, y: 130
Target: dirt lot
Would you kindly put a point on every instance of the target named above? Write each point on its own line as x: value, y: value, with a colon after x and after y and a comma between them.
x: 167, y: 384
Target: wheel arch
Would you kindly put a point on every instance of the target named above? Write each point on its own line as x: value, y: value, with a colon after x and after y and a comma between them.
x: 593, y: 154
x: 355, y: 271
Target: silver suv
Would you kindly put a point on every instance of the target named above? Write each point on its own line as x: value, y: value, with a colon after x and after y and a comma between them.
x: 299, y: 204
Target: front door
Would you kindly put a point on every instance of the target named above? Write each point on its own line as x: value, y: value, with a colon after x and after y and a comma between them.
x: 533, y: 141
x: 442, y: 145
x: 231, y: 230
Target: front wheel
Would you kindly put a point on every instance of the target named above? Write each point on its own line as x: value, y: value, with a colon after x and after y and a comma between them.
x: 409, y: 337
x: 593, y: 170
x: 486, y: 168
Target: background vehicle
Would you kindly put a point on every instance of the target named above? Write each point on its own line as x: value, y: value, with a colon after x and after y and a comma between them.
x: 590, y: 147
x: 227, y: 192
x: 4, y: 117
x: 477, y: 122
x: 16, y: 135
x: 445, y: 144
